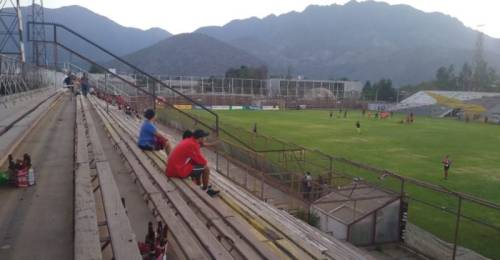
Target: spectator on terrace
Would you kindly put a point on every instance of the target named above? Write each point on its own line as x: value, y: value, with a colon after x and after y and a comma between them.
x: 187, y: 160
x: 84, y: 84
x: 68, y: 82
x: 307, y: 185
x: 149, y: 137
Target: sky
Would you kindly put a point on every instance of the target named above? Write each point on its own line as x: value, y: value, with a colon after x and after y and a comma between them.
x: 179, y: 16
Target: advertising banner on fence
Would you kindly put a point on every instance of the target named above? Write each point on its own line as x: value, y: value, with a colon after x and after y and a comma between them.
x: 236, y: 107
x: 220, y: 107
x: 184, y: 107
x: 270, y: 108
x: 254, y: 108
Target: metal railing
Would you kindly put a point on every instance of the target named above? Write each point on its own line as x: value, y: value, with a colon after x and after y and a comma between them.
x: 57, y: 29
x: 20, y: 80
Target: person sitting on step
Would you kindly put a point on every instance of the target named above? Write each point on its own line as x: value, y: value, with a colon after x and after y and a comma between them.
x: 186, y: 160
x: 150, y: 139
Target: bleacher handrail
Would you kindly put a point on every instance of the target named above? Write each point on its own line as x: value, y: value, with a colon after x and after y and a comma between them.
x: 154, y: 79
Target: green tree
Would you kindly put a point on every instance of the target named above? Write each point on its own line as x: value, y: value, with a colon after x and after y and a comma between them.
x: 380, y: 91
x: 385, y: 91
x: 442, y: 76
x: 465, y: 78
x: 245, y: 72
x: 452, y: 78
x: 368, y: 92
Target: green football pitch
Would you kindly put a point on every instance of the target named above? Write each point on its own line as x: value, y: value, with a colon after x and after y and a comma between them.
x: 414, y: 150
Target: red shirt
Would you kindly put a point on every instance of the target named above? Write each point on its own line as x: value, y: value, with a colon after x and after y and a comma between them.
x: 184, y: 156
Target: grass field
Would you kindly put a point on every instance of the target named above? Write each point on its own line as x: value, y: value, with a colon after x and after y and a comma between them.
x: 413, y: 150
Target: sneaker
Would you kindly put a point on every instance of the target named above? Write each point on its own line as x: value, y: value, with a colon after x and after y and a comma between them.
x: 211, y: 192
x: 206, y: 187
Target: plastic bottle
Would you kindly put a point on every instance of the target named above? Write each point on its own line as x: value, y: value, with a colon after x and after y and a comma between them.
x: 31, y: 177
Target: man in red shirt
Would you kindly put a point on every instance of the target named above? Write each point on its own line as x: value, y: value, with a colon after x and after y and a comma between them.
x: 186, y: 160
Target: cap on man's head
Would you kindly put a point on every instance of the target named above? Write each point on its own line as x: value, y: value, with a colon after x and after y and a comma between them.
x: 198, y: 133
x: 149, y: 113
x: 187, y: 134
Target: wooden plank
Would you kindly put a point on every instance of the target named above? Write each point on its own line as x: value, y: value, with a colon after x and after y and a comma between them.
x: 81, y: 138
x: 194, y: 196
x: 97, y: 150
x: 268, y: 222
x: 87, y: 243
x: 292, y: 250
x: 204, y: 235
x: 227, y: 221
x: 185, y: 239
x: 139, y: 171
x: 122, y: 237
x: 189, y: 246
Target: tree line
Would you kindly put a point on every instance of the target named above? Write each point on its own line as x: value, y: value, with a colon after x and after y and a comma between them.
x: 245, y: 72
x: 380, y: 91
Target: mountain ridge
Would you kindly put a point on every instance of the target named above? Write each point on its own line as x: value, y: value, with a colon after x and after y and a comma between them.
x: 189, y: 54
x: 343, y: 40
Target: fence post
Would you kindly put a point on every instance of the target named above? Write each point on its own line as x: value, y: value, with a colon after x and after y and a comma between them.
x: 217, y: 160
x: 154, y: 94
x: 457, y: 225
x: 262, y: 185
x: 330, y: 176
x: 106, y: 91
x: 227, y: 171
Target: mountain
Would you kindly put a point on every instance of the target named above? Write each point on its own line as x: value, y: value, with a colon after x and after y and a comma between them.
x: 112, y: 36
x: 189, y: 54
x: 359, y: 40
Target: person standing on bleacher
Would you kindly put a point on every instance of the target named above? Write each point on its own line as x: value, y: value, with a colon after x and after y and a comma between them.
x: 186, y: 160
x: 150, y: 138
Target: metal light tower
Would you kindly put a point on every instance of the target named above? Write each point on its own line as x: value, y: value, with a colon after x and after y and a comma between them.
x: 39, y: 47
x: 11, y: 29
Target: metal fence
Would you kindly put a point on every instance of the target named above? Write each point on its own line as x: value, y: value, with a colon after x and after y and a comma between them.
x: 455, y: 219
x: 20, y: 80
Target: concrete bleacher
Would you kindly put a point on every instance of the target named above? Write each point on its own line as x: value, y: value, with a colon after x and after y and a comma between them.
x: 425, y: 102
x: 22, y: 115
